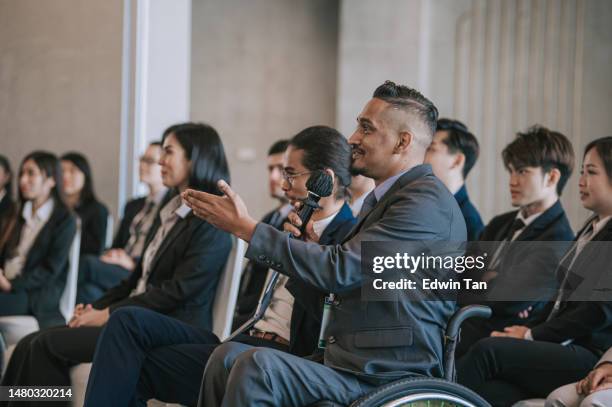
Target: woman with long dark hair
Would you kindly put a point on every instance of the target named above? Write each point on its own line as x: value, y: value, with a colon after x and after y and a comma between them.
x: 35, y: 243
x: 177, y: 274
x: 80, y: 197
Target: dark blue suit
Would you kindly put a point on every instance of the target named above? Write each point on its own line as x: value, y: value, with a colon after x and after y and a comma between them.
x: 519, y: 264
x: 473, y: 221
x: 161, y: 357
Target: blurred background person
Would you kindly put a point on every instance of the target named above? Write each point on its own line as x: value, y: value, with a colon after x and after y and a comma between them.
x: 452, y: 154
x: 81, y: 198
x: 35, y: 245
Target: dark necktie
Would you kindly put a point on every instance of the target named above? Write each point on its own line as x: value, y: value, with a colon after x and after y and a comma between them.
x: 369, y: 203
x: 517, y: 225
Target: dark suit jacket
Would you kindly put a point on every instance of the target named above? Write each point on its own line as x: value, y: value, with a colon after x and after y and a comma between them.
x: 523, y: 269
x: 94, y: 219
x: 46, y: 267
x: 378, y: 341
x: 130, y: 210
x: 184, y: 273
x: 473, y: 221
x: 589, y: 323
x: 308, y: 300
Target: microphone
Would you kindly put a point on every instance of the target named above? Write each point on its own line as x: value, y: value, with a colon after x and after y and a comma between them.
x: 319, y: 185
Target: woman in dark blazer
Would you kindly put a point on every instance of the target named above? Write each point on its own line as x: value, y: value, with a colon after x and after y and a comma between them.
x: 80, y: 196
x: 177, y: 275
x: 35, y: 244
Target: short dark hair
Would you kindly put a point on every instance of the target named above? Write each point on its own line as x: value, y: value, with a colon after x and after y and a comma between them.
x: 278, y: 147
x: 49, y: 164
x: 603, y: 146
x: 324, y: 148
x: 408, y: 99
x: 6, y: 165
x: 155, y: 144
x: 87, y: 194
x: 541, y: 147
x: 460, y: 140
x: 203, y: 147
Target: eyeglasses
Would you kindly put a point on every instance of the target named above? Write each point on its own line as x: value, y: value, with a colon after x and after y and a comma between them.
x: 291, y: 177
x: 147, y: 160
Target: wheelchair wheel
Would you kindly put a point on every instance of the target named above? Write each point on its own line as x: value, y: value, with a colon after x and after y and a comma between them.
x: 421, y: 392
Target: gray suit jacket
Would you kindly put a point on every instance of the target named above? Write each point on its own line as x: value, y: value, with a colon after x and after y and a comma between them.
x: 379, y: 341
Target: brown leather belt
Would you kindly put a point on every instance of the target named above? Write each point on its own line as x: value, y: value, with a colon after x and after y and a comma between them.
x: 269, y: 336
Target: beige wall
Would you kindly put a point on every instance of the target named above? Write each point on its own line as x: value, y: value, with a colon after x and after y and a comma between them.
x: 262, y: 70
x: 60, y: 82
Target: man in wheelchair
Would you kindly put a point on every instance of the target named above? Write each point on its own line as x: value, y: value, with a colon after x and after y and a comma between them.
x: 369, y: 343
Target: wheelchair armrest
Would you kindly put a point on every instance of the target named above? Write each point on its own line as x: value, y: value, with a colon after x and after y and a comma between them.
x: 469, y: 311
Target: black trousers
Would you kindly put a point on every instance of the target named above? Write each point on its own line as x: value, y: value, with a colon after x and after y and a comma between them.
x: 96, y: 277
x: 44, y: 358
x: 14, y: 303
x: 507, y: 370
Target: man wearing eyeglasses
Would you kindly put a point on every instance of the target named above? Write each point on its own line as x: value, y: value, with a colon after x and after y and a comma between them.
x: 99, y: 274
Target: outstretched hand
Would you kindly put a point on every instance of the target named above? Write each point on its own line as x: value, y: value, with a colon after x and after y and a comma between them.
x: 227, y: 212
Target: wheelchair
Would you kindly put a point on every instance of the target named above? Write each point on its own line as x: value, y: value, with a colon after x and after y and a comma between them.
x: 428, y: 391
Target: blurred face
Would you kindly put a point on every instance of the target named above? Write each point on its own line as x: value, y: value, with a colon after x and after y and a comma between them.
x: 595, y: 186
x: 175, y: 167
x: 73, y: 178
x: 149, y: 169
x: 275, y: 175
x: 4, y: 178
x: 33, y: 183
x: 296, y: 175
x: 528, y: 185
x: 373, y: 142
x: 441, y: 160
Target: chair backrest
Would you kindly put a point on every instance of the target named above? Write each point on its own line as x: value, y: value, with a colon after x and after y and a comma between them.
x: 68, y: 299
x: 227, y: 291
x: 108, y: 239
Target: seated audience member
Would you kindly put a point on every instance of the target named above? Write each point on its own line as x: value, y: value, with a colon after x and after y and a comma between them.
x: 6, y: 189
x: 35, y: 245
x: 595, y: 390
x: 165, y: 359
x: 522, y: 362
x: 539, y: 161
x: 452, y: 154
x: 99, y: 274
x: 360, y: 188
x: 177, y: 274
x: 369, y: 342
x: 255, y: 273
x: 81, y: 198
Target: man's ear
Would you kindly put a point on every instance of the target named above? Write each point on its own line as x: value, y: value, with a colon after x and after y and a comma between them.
x: 404, y: 140
x: 552, y: 177
x: 459, y: 161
